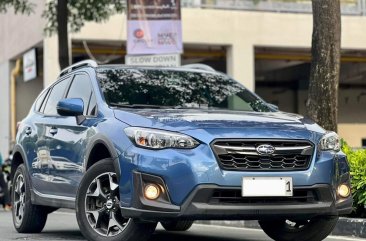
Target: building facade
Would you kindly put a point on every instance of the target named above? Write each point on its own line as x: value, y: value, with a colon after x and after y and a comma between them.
x: 263, y: 44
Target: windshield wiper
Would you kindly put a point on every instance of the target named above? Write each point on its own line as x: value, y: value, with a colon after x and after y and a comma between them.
x: 140, y: 106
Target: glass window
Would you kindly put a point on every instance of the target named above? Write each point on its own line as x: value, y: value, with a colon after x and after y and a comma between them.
x: 55, y: 96
x: 81, y: 88
x: 40, y: 100
x: 92, y: 109
x: 165, y: 88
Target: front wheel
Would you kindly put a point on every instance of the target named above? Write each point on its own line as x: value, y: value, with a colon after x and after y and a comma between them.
x: 98, y: 211
x: 182, y: 225
x: 315, y: 229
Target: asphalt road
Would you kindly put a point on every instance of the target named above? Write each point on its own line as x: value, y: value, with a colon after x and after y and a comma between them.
x: 63, y: 226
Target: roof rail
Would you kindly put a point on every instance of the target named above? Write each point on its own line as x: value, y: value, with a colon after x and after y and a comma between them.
x: 89, y: 62
x: 199, y: 66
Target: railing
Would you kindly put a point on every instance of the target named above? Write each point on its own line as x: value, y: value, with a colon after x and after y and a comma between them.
x: 349, y: 7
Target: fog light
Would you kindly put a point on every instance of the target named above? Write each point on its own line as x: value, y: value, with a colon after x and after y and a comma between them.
x: 344, y: 190
x: 152, y: 191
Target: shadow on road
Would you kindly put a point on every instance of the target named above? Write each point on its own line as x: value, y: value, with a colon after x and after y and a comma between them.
x: 159, y: 235
x: 60, y: 235
x: 185, y: 236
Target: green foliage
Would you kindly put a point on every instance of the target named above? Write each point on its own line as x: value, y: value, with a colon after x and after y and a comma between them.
x: 357, y: 162
x: 81, y: 11
x: 20, y: 6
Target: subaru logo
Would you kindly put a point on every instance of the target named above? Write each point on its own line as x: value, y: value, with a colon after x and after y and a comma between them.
x: 265, y: 149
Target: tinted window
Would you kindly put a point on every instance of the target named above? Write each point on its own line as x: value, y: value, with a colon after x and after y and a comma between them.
x: 40, y: 100
x: 81, y: 88
x: 55, y: 96
x: 176, y: 88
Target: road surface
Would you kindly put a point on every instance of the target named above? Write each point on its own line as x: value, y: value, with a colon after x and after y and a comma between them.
x: 63, y: 226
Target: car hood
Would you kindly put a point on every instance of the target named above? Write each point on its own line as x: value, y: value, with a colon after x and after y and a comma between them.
x: 190, y: 119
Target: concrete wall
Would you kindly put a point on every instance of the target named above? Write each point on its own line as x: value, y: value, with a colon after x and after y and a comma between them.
x: 26, y: 93
x: 19, y: 33
x: 5, y: 108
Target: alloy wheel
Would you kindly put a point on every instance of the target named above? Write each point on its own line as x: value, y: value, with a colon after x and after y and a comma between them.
x: 19, y: 199
x: 102, y: 206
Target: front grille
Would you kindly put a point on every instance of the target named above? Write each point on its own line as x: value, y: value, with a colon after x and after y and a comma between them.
x: 233, y: 196
x: 243, y: 155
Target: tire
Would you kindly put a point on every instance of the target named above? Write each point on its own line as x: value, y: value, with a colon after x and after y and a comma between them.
x: 183, y: 225
x: 27, y: 218
x: 315, y: 229
x: 97, y: 208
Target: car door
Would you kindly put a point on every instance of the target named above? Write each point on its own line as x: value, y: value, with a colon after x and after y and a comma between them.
x: 29, y: 142
x: 70, y: 140
x: 43, y: 144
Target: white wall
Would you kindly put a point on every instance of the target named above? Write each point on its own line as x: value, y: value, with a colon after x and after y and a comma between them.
x: 5, y: 108
x: 19, y: 33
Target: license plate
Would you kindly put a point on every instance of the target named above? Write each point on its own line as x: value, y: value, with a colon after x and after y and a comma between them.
x: 267, y: 187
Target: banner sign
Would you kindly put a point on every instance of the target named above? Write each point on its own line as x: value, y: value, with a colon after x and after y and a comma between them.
x: 154, y: 27
x: 165, y: 60
x: 30, y: 65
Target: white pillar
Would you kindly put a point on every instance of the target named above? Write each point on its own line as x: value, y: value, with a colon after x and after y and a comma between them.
x: 51, y: 67
x: 5, y: 108
x: 241, y: 64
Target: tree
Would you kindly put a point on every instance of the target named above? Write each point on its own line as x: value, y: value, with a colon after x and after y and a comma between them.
x: 20, y: 6
x: 322, y: 103
x: 64, y: 16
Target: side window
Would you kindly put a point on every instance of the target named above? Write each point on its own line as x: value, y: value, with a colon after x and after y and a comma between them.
x: 81, y: 88
x: 55, y: 96
x: 92, y: 108
x: 40, y: 101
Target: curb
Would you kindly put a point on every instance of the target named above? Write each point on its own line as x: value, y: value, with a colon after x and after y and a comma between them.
x: 352, y: 227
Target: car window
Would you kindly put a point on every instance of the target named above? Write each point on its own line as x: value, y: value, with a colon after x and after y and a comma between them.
x: 81, y: 88
x: 40, y: 101
x: 92, y: 108
x: 55, y: 96
x: 169, y: 88
x: 41, y: 110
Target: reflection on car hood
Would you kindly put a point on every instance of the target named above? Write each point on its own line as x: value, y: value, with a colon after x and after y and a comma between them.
x: 187, y: 119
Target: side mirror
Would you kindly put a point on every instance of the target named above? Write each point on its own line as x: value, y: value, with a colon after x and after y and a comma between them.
x: 272, y: 106
x: 70, y: 107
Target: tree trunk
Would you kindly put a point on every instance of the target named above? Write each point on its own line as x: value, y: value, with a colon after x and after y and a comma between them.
x: 322, y: 103
x: 63, y: 41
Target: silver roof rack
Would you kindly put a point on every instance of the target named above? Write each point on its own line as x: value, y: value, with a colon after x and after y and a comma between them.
x: 199, y: 66
x: 89, y: 62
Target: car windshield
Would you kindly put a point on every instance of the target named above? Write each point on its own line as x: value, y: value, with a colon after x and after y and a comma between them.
x: 166, y: 88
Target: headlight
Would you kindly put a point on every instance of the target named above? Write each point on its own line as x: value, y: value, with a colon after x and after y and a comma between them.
x: 330, y: 142
x: 157, y: 139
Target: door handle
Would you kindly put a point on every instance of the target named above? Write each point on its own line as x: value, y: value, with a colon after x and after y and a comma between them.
x: 28, y: 131
x: 53, y: 131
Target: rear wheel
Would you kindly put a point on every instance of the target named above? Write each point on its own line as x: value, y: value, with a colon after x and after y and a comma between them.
x: 97, y: 208
x: 315, y: 229
x: 183, y: 225
x: 27, y: 218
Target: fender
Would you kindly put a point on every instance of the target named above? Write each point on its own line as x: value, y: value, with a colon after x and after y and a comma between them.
x: 101, y: 139
x: 19, y: 149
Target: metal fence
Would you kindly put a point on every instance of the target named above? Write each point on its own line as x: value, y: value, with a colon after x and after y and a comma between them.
x: 349, y: 7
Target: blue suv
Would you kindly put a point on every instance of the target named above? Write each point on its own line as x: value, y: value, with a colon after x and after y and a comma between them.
x: 128, y: 147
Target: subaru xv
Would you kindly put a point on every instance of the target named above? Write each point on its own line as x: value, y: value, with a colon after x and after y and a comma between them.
x: 128, y: 147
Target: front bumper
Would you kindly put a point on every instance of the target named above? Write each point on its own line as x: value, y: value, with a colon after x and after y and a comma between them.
x: 212, y: 202
x: 191, y: 176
